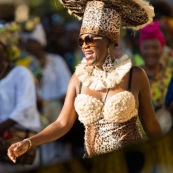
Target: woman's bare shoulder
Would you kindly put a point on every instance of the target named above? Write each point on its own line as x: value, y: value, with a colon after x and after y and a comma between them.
x: 139, y: 72
x: 75, y: 79
x: 74, y: 82
x: 140, y: 77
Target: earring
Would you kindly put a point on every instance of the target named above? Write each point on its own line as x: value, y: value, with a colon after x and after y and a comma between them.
x: 108, y: 64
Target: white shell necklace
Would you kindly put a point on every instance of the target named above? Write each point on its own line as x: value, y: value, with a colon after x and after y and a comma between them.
x: 95, y: 78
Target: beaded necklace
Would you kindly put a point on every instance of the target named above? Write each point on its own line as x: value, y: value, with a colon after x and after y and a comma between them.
x: 96, y: 79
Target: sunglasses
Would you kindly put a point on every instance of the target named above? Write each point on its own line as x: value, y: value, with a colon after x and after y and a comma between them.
x: 89, y: 40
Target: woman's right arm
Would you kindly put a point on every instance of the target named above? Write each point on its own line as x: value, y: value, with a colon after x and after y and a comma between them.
x: 64, y: 121
x: 56, y: 129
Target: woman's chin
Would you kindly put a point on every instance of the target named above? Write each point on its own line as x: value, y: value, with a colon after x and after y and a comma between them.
x: 90, y: 61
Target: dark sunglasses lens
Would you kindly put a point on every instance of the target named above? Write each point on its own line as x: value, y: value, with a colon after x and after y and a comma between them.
x: 89, y: 40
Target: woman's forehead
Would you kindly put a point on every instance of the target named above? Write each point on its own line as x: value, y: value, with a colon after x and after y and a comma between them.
x: 87, y: 34
x: 152, y: 41
x: 91, y: 35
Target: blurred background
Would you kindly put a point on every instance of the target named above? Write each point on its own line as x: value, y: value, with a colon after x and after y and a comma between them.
x: 20, y: 10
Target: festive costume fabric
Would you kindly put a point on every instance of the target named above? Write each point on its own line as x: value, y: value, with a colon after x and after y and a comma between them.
x: 106, y: 17
x: 159, y: 86
x: 111, y: 125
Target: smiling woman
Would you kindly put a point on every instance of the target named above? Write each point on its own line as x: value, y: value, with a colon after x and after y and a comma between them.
x: 105, y: 92
x: 152, y: 41
x: 95, y: 49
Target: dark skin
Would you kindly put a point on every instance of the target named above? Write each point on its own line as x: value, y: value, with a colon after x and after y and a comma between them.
x: 151, y: 51
x: 68, y: 115
x: 36, y: 49
x: 5, y: 69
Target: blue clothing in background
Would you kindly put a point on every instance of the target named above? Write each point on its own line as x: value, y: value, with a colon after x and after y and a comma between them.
x: 169, y: 95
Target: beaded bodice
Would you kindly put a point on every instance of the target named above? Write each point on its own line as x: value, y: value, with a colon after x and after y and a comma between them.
x: 119, y: 108
x: 111, y: 124
x: 108, y: 126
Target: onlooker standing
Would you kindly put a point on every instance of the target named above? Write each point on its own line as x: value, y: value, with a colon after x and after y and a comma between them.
x: 152, y: 41
x: 52, y: 89
x: 18, y: 111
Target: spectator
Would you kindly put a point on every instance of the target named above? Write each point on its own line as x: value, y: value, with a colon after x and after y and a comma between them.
x: 152, y: 42
x: 18, y: 112
x: 52, y: 89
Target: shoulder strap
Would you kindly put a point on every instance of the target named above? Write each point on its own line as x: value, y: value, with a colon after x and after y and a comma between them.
x: 80, y: 87
x: 106, y: 95
x: 130, y: 79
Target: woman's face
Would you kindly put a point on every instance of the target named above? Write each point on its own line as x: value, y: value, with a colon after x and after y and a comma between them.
x: 96, y: 51
x: 33, y: 46
x: 151, y: 51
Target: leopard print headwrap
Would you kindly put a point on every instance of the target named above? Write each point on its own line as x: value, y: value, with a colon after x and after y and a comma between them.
x: 101, y: 21
x: 106, y: 17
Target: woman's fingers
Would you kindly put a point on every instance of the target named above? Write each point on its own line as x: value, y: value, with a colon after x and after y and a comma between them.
x: 11, y: 153
x: 16, y: 150
x: 12, y: 157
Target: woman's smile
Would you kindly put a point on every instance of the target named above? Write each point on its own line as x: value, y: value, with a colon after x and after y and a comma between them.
x: 88, y: 54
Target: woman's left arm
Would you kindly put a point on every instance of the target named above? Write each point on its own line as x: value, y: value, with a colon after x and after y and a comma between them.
x: 149, y: 121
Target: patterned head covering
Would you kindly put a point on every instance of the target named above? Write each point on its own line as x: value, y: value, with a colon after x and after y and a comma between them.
x: 152, y: 31
x: 33, y: 29
x: 106, y: 17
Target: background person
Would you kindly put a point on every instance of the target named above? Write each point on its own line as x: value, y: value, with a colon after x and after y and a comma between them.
x: 18, y: 111
x: 51, y: 90
x: 152, y: 42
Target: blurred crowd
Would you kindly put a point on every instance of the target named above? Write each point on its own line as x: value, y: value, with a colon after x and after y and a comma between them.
x: 38, y: 57
x: 152, y: 49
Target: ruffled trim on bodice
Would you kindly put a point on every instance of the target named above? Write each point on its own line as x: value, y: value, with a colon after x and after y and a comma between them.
x: 97, y: 79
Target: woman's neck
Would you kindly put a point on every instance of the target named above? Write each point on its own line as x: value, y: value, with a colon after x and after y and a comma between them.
x: 152, y: 70
x: 42, y: 58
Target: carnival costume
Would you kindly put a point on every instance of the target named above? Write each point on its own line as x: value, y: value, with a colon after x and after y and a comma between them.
x: 112, y: 124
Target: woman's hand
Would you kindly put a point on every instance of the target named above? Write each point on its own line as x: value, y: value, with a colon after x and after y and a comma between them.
x: 18, y: 149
